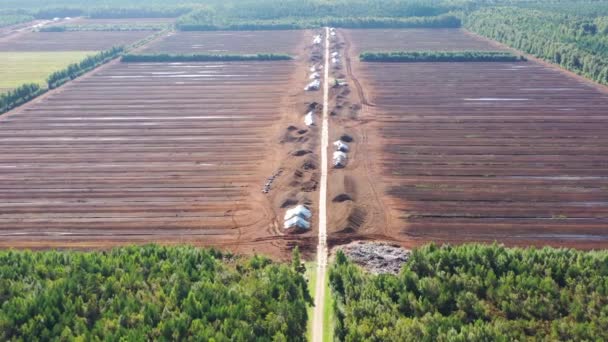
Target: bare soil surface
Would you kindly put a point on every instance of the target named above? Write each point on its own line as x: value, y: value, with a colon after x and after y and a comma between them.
x: 70, y: 41
x: 227, y: 42
x: 414, y: 40
x: 508, y: 152
x: 148, y: 152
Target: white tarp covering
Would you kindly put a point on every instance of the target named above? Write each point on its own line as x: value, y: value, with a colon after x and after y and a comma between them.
x: 314, y: 85
x: 296, y: 222
x: 314, y: 76
x: 341, y: 146
x: 339, y: 159
x: 317, y: 40
x: 335, y: 54
x: 313, y: 68
x: 298, y: 211
x: 309, y: 119
x: 335, y: 60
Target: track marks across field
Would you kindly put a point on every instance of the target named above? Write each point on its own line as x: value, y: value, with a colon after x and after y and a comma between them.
x: 227, y: 42
x: 70, y: 41
x: 141, y: 149
x: 414, y: 40
x: 490, y: 151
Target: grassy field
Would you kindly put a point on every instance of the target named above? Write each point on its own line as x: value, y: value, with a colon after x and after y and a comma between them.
x: 17, y: 68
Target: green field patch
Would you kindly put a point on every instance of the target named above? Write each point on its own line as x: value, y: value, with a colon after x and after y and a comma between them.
x: 17, y: 68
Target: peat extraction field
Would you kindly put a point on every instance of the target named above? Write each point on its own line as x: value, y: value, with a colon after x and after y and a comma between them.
x: 413, y: 40
x: 229, y: 42
x: 507, y: 152
x: 146, y: 152
x: 70, y: 41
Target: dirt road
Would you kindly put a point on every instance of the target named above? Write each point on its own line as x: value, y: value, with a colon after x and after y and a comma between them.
x: 317, y: 328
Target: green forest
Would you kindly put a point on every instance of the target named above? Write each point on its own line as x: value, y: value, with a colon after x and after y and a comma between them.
x: 476, y: 293
x: 440, y: 56
x: 149, y: 293
x: 164, y: 58
x: 579, y: 44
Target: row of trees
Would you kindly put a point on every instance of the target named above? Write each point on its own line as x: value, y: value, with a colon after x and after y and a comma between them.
x: 149, y: 293
x: 162, y: 58
x: 575, y: 43
x: 292, y: 23
x: 440, y: 56
x: 74, y: 70
x: 476, y: 293
x: 17, y: 97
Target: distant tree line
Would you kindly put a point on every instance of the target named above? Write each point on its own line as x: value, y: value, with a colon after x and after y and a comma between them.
x: 291, y: 23
x: 296, y: 14
x: 149, y: 293
x: 579, y: 44
x: 74, y: 70
x: 18, y: 96
x: 160, y: 58
x: 12, y: 19
x: 476, y: 293
x: 440, y: 56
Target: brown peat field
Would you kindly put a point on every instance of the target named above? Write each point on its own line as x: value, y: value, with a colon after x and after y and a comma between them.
x: 507, y: 152
x: 179, y: 152
x: 148, y: 152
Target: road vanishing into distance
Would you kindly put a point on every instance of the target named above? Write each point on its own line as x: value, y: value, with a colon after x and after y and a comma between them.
x: 317, y: 328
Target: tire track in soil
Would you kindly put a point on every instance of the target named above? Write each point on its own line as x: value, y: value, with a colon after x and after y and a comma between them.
x: 364, y: 141
x: 349, y: 72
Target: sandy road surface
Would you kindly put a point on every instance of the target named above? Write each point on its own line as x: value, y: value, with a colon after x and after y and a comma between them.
x: 317, y: 334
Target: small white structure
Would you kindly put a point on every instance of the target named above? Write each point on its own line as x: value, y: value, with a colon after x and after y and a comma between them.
x: 298, y: 211
x: 314, y: 76
x: 314, y: 85
x: 296, y: 222
x: 335, y: 60
x: 309, y: 119
x: 317, y: 40
x: 297, y: 217
x: 335, y: 54
x: 313, y: 68
x: 339, y: 159
x: 341, y: 146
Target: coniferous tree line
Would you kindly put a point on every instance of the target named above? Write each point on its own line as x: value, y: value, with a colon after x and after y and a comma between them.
x: 149, y: 293
x: 18, y: 96
x: 12, y: 19
x: 441, y: 21
x: 440, y: 56
x: 164, y: 58
x: 579, y: 44
x: 74, y: 70
x: 476, y: 293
